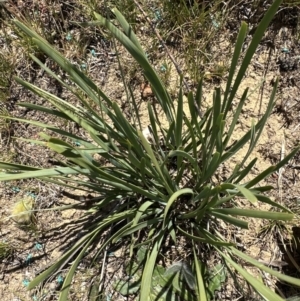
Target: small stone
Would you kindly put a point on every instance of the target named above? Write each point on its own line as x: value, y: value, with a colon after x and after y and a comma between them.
x: 52, y: 286
x: 146, y: 90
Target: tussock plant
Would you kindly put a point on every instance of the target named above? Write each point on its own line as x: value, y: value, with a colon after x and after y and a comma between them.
x: 158, y: 187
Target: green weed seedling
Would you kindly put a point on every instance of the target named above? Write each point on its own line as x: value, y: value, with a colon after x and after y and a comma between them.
x: 5, y: 250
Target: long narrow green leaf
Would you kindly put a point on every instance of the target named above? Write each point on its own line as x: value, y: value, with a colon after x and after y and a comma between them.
x: 224, y: 200
x: 141, y: 211
x: 193, y: 143
x: 149, y: 267
x: 156, y: 84
x: 271, y: 169
x: 255, y: 135
x: 136, y: 228
x: 179, y: 119
x: 261, y: 176
x: 192, y: 110
x: 127, y: 29
x: 216, y: 106
x: 128, y: 130
x: 264, y: 291
x: 56, y: 130
x: 200, y: 282
x: 112, y: 180
x: 86, y: 104
x: 46, y: 274
x: 216, y: 132
x: 256, y: 213
x: 281, y: 276
x: 40, y: 173
x: 170, y: 138
x: 242, y: 174
x: 262, y: 188
x: 143, y: 169
x: 235, y: 58
x: 134, y: 161
x: 219, y: 137
x: 265, y: 199
x: 233, y: 149
x: 17, y: 167
x: 153, y: 124
x: 198, y: 96
x: 64, y: 259
x: 235, y: 117
x: 229, y: 219
x: 250, y: 134
x: 45, y: 110
x: 174, y: 197
x: 77, y: 76
x: 180, y: 173
x: 204, y: 239
x: 154, y: 161
x: 63, y: 296
x: 246, y: 193
x: 214, y: 163
x: 69, y: 110
x: 198, y: 128
x: 260, y: 30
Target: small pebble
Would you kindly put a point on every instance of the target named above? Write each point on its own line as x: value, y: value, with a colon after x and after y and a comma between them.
x: 52, y: 286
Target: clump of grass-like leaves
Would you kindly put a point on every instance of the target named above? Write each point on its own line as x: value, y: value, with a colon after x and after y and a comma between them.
x: 142, y: 180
